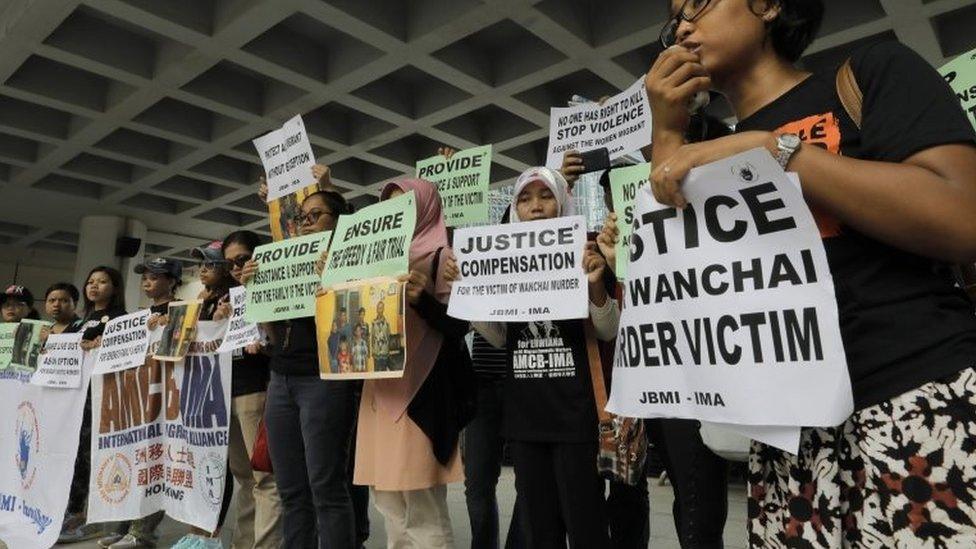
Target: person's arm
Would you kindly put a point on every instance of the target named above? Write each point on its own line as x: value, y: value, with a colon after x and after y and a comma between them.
x: 606, y: 319
x: 435, y: 314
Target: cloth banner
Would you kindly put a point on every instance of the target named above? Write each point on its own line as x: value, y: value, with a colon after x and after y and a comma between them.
x: 159, y: 436
x: 39, y: 429
x: 729, y: 310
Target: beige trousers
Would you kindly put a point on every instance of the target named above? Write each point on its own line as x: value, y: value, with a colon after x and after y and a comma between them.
x: 417, y: 519
x: 258, y: 506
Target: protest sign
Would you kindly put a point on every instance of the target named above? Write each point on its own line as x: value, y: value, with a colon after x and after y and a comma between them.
x: 624, y: 183
x: 27, y: 343
x: 960, y: 73
x: 361, y: 333
x: 60, y: 363
x: 521, y: 271
x: 180, y: 330
x: 372, y: 242
x: 39, y: 442
x: 125, y: 342
x: 283, y: 213
x: 729, y: 308
x: 622, y: 124
x: 8, y: 330
x: 462, y: 183
x: 240, y: 332
x: 159, y: 436
x: 287, y: 158
x: 285, y: 284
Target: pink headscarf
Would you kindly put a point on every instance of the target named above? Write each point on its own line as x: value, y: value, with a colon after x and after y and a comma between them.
x: 423, y: 342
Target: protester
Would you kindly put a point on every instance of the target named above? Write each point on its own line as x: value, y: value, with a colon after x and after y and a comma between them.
x: 60, y: 303
x: 551, y: 424
x: 258, y: 505
x: 104, y: 300
x: 407, y: 445
x: 893, y: 194
x: 17, y: 303
x: 309, y: 421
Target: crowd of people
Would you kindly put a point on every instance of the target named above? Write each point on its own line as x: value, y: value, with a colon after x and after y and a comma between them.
x: 893, y: 190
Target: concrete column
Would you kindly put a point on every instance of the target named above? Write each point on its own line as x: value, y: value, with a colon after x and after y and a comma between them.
x: 97, y: 235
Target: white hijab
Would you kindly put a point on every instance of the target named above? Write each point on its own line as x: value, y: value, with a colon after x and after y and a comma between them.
x: 550, y: 178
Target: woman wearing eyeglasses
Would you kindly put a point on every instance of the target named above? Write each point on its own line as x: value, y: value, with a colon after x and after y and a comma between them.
x: 310, y: 421
x: 892, y: 186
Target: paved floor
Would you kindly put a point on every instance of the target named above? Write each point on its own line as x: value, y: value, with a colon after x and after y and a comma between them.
x: 662, y: 526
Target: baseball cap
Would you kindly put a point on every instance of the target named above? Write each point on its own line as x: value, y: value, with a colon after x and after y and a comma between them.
x: 212, y: 252
x: 161, y: 265
x: 20, y: 293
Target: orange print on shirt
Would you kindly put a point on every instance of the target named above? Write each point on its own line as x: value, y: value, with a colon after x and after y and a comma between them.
x: 822, y: 130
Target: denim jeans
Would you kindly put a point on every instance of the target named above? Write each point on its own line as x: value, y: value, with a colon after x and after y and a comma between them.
x: 483, y: 446
x: 309, y: 422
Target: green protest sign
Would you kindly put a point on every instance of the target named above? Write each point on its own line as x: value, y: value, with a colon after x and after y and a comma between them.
x: 624, y: 183
x: 462, y: 183
x: 960, y: 73
x: 285, y: 284
x: 8, y: 330
x: 372, y: 242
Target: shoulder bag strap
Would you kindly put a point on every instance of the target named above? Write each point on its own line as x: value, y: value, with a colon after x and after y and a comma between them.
x: 850, y: 93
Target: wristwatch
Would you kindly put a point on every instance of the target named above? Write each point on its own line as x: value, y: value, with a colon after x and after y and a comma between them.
x: 786, y: 146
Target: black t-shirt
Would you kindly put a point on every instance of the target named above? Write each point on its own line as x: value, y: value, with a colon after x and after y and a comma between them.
x: 296, y: 351
x: 95, y: 321
x: 250, y: 373
x: 903, y: 322
x: 548, y: 392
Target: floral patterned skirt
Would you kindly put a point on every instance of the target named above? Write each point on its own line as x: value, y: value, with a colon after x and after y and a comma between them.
x: 898, y: 474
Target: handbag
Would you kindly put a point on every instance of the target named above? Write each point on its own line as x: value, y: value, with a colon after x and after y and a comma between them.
x: 852, y: 99
x: 623, y: 442
x: 261, y: 457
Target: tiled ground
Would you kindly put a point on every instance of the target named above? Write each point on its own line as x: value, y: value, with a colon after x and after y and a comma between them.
x: 662, y: 526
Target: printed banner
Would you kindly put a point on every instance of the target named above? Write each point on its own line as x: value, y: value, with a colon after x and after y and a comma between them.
x: 960, y: 73
x: 372, y: 242
x: 240, y: 332
x: 125, y: 343
x: 60, y: 362
x: 283, y: 213
x: 361, y: 333
x: 39, y: 429
x: 180, y: 330
x: 462, y: 183
x: 521, y: 271
x: 8, y: 330
x: 159, y: 436
x: 287, y: 158
x: 624, y: 183
x: 622, y: 124
x: 730, y: 314
x: 27, y: 344
x: 284, y: 286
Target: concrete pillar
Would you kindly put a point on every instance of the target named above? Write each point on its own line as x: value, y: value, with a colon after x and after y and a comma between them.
x: 97, y: 235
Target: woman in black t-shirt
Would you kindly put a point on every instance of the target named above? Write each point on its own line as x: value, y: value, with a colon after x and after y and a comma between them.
x: 893, y: 191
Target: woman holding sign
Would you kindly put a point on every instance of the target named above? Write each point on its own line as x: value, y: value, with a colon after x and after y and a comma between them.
x: 407, y: 448
x: 551, y: 420
x: 309, y: 421
x: 891, y: 180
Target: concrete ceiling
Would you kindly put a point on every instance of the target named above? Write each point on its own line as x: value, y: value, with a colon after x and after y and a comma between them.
x: 146, y: 108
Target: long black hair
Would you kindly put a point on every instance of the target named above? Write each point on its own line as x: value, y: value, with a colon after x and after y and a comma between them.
x: 248, y: 239
x: 335, y: 201
x: 118, y: 288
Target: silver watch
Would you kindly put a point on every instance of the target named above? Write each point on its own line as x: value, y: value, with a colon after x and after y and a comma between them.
x: 786, y: 146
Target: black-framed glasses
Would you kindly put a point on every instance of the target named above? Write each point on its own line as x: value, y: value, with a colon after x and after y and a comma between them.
x: 689, y: 11
x: 312, y: 217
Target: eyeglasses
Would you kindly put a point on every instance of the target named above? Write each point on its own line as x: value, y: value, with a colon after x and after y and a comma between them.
x: 312, y: 217
x: 689, y: 11
x: 239, y: 261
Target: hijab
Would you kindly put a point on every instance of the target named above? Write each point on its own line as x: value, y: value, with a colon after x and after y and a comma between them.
x: 550, y: 178
x: 423, y: 342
